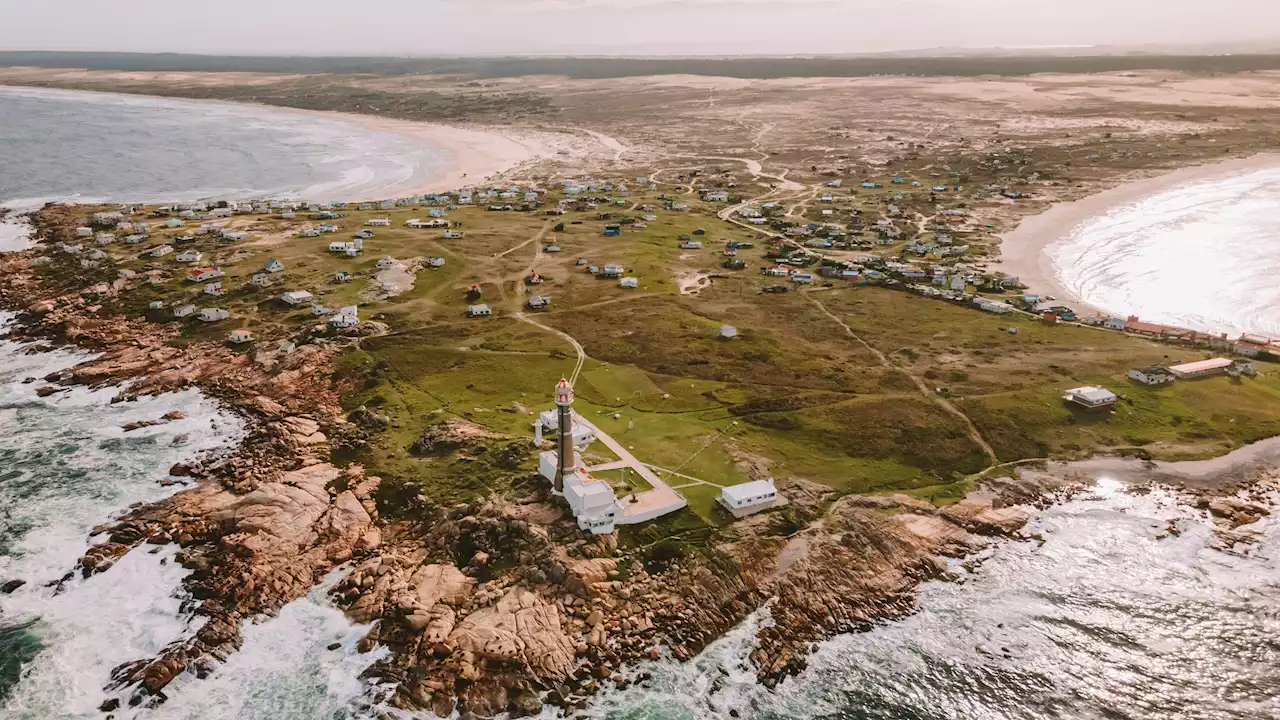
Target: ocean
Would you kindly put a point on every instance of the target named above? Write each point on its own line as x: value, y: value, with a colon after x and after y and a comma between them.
x: 1111, y: 617
x: 1204, y: 256
x: 60, y: 145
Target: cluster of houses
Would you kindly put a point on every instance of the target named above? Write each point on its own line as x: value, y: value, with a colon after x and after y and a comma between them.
x: 1247, y: 344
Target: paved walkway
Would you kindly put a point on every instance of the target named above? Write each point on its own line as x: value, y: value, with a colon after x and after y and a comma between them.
x: 660, y: 498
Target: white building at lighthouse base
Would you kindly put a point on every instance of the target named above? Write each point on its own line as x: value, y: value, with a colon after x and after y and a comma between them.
x: 590, y: 499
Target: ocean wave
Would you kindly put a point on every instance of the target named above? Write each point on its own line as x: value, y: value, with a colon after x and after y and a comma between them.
x: 66, y: 146
x: 1203, y: 256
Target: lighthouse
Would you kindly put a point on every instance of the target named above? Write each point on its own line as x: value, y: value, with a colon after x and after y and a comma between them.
x: 564, y: 426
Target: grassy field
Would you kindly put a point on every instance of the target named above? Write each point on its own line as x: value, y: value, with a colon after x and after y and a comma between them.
x: 791, y: 396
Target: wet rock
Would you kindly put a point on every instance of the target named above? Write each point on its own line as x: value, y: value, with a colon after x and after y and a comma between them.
x: 109, y: 705
x: 180, y: 470
x: 48, y: 390
x: 11, y: 586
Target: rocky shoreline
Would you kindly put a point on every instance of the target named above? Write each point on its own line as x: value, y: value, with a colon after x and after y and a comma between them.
x: 500, y: 605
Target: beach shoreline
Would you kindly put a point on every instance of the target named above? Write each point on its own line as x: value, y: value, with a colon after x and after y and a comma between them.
x: 1024, y: 251
x: 475, y: 153
x: 479, y: 153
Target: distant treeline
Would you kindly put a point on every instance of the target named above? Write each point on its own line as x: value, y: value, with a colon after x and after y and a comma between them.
x: 593, y: 67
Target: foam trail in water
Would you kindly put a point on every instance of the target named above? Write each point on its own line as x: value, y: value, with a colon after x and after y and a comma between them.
x: 67, y: 465
x: 284, y: 670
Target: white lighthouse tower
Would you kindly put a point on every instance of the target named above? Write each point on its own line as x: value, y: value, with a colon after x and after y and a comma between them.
x: 565, y: 458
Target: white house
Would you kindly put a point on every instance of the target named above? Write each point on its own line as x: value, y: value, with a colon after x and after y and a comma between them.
x: 691, y: 245
x: 105, y: 238
x: 802, y: 277
x: 629, y: 282
x: 777, y: 270
x: 378, y: 222
x: 213, y: 288
x: 274, y: 266
x: 752, y: 497
x: 613, y: 270
x: 135, y: 239
x: 480, y: 310
x: 419, y: 224
x: 387, y: 262
x: 203, y: 274
x: 1154, y: 375
x: 189, y: 256
x: 184, y: 310
x: 436, y: 262
x: 352, y: 248
x: 346, y: 317
x: 728, y: 332
x: 84, y: 232
x: 214, y: 314
x: 452, y: 234
x: 260, y: 279
x: 161, y: 251
x: 296, y: 297
x: 1091, y: 397
x: 240, y: 337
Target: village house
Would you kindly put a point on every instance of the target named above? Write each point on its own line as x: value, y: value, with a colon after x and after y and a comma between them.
x: 135, y: 239
x: 378, y: 222
x: 213, y: 314
x: 182, y: 311
x: 612, y: 270
x: 239, y: 337
x: 533, y: 279
x: 161, y: 251
x: 260, y: 279
x: 296, y: 297
x: 419, y: 224
x: 1154, y: 375
x: 728, y: 332
x: 105, y: 238
x: 202, y: 274
x: 213, y: 288
x: 481, y: 310
x: 189, y: 256
x: 776, y: 271
x: 750, y: 498
x: 346, y: 317
x: 453, y: 234
x: 156, y: 305
x: 387, y: 262
x: 342, y: 276
x: 1091, y: 397
x: 629, y: 282
x: 691, y: 245
x: 539, y: 302
x: 273, y: 266
x: 350, y: 249
x: 435, y: 262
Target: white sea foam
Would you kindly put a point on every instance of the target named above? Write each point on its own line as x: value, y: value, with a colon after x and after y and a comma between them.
x: 183, y: 150
x: 66, y: 465
x: 1203, y: 256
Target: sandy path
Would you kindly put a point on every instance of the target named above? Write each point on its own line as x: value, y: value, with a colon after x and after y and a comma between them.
x: 974, y: 433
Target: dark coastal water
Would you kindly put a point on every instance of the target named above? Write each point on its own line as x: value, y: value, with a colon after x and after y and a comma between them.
x: 1111, y: 618
x: 64, y: 145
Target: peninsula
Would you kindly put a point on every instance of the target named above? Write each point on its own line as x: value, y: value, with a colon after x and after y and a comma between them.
x: 602, y: 408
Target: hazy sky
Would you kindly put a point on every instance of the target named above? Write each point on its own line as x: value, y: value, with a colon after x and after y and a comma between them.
x: 437, y: 27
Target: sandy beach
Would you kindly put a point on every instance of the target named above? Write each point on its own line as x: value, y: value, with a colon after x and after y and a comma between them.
x: 478, y: 153
x: 1023, y: 251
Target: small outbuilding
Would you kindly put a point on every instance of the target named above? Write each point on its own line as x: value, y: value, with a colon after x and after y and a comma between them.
x: 481, y: 310
x: 750, y: 498
x: 728, y: 332
x: 239, y: 337
x: 1091, y: 397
